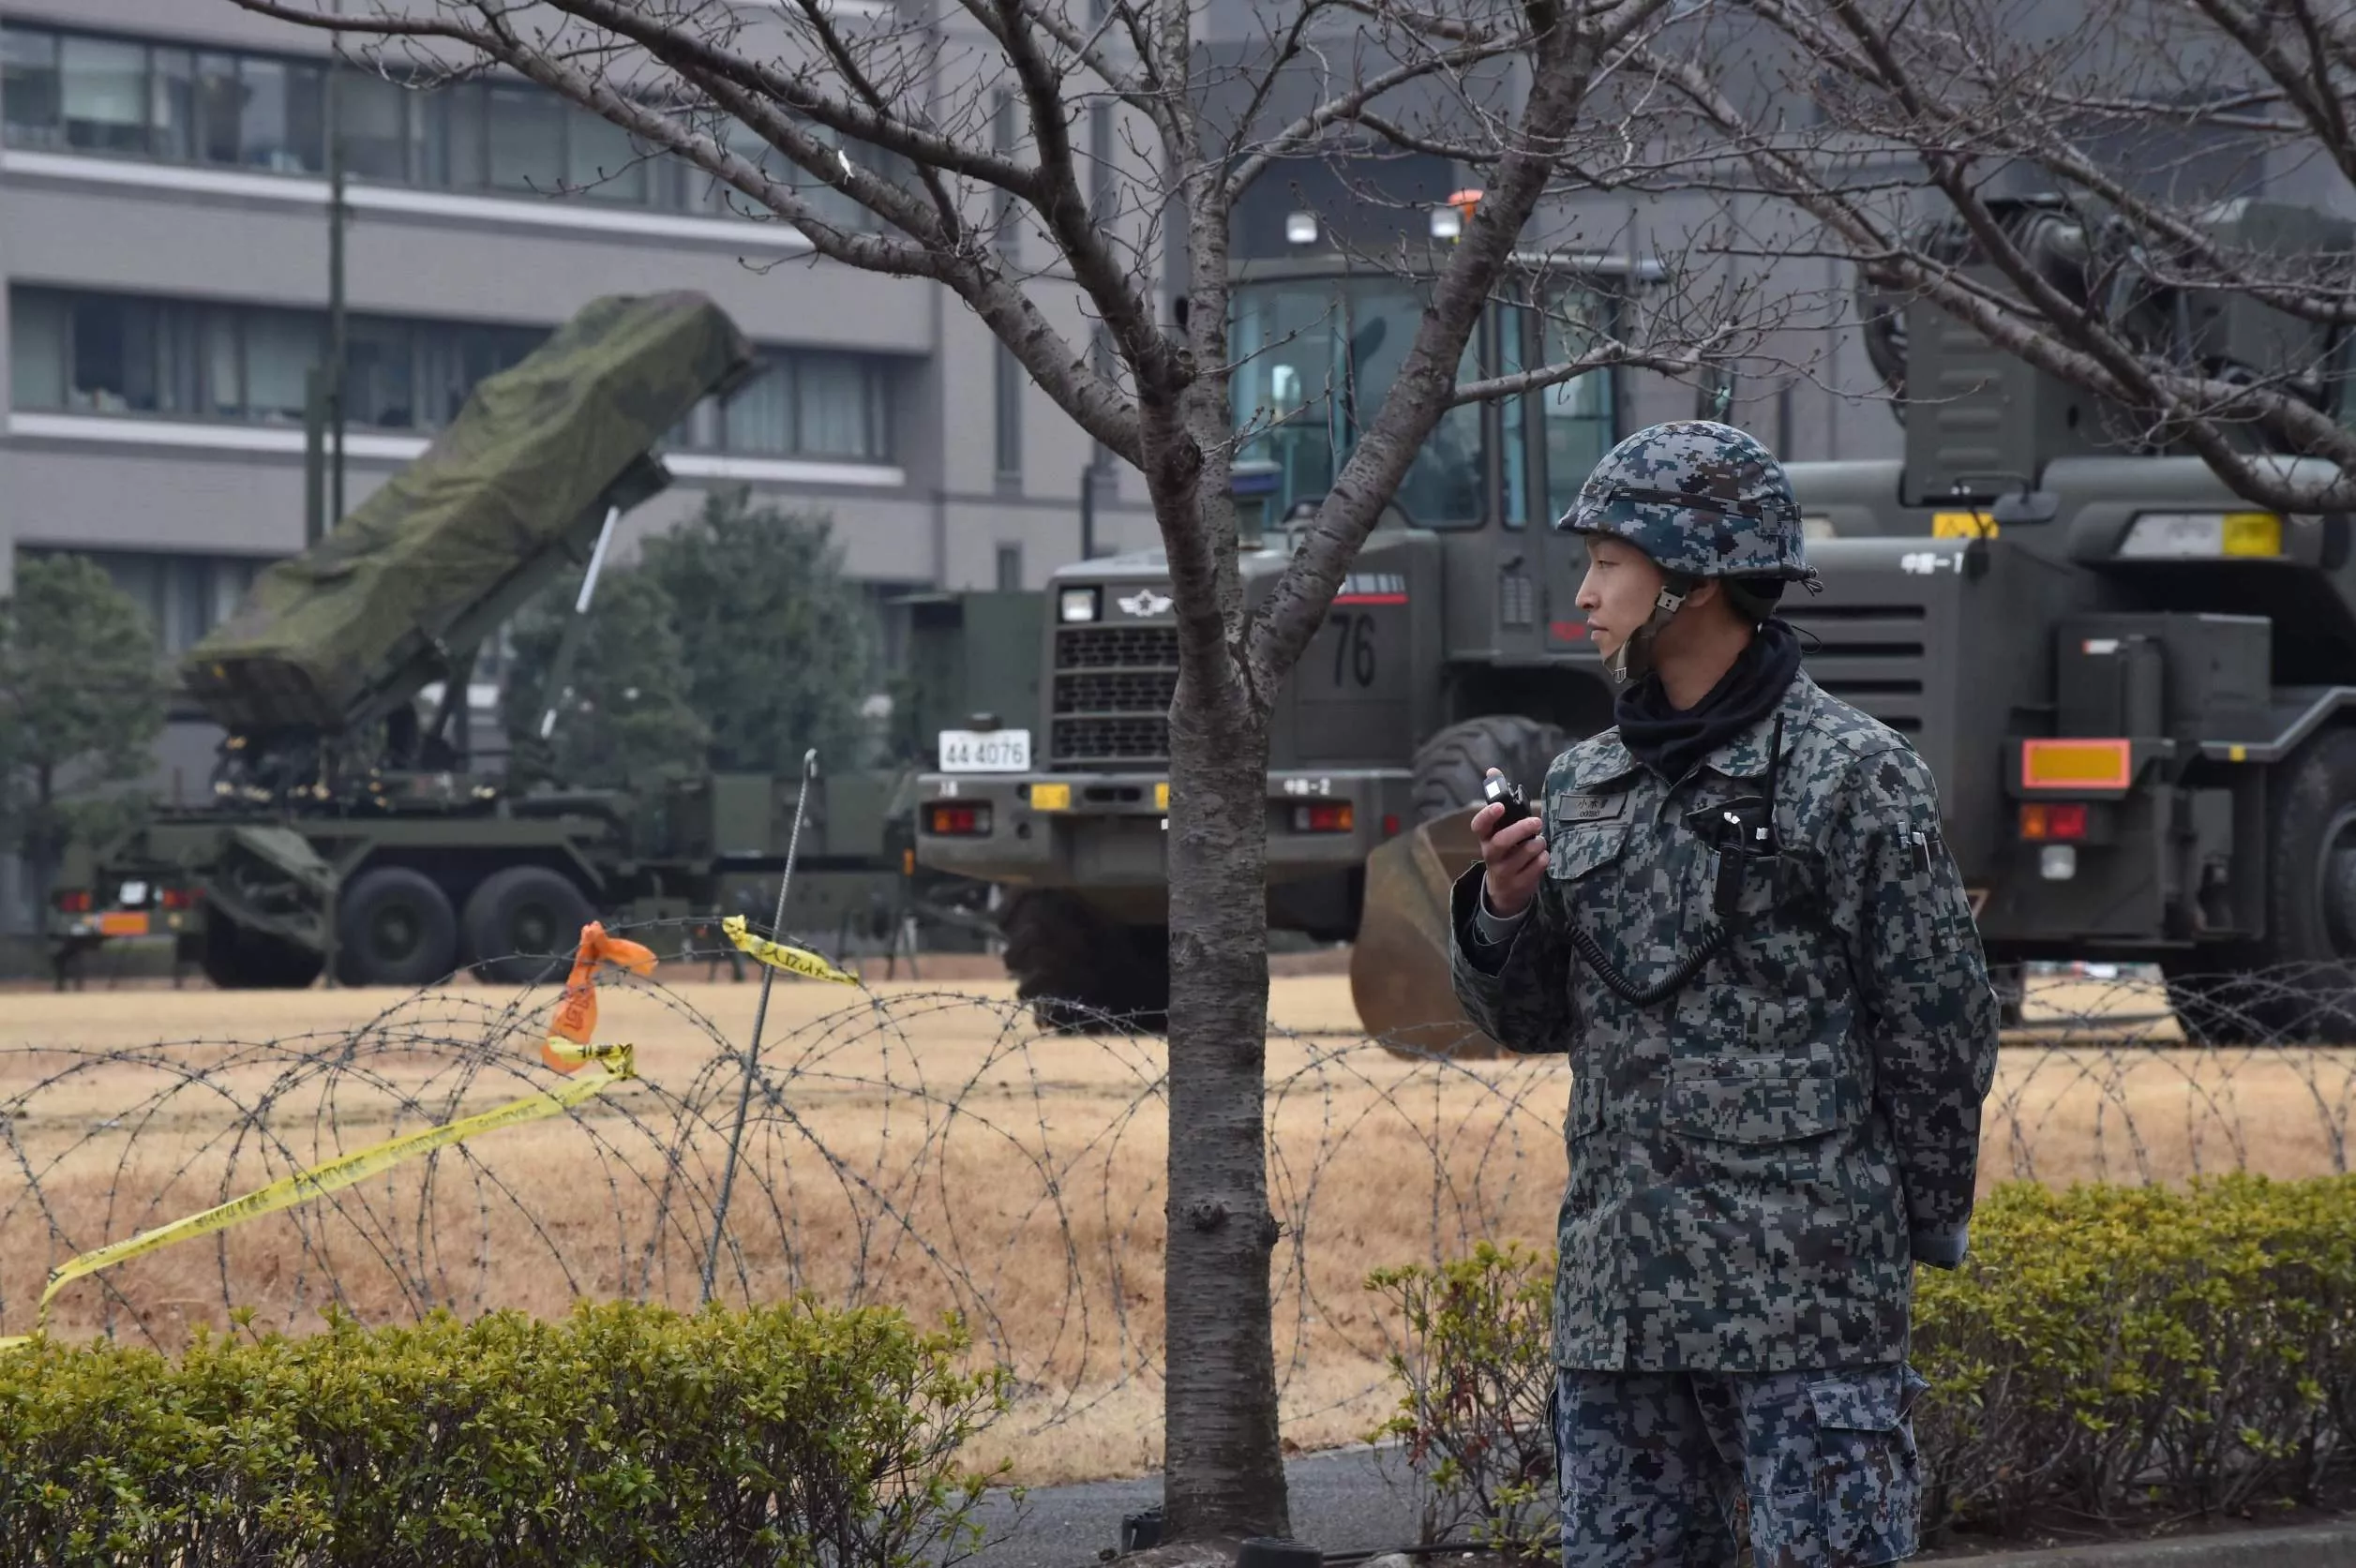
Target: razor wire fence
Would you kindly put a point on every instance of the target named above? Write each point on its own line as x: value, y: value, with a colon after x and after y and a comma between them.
x: 937, y: 1151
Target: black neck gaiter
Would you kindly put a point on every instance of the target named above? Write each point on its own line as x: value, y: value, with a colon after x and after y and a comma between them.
x: 1670, y: 740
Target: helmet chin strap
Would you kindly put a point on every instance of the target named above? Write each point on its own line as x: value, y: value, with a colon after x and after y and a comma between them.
x: 1633, y: 659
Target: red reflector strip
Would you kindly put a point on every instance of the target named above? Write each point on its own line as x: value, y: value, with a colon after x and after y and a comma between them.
x: 952, y: 819
x: 1370, y: 598
x: 2039, y: 822
x: 1566, y: 631
x: 2077, y: 764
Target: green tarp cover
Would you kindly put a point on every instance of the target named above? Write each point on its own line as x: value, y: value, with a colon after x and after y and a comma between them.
x: 499, y: 488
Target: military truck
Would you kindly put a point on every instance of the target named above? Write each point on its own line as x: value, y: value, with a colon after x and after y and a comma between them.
x: 349, y: 830
x: 1453, y: 645
x: 2137, y: 693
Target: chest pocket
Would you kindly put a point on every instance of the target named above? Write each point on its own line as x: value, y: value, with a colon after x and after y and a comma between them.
x: 1584, y: 832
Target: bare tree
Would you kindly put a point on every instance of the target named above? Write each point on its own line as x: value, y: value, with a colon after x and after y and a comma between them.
x: 875, y: 131
x: 2069, y: 182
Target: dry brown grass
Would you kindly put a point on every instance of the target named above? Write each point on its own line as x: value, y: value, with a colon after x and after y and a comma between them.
x: 918, y: 1147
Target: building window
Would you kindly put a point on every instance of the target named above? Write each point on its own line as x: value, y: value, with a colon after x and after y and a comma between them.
x: 124, y: 98
x: 185, y: 596
x: 111, y: 353
x: 802, y: 404
x: 1010, y: 568
x: 1005, y: 397
x: 81, y: 353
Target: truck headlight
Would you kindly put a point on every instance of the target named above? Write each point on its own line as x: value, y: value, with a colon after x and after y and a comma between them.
x: 1076, y: 603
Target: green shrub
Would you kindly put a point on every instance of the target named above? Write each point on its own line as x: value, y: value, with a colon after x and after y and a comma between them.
x: 622, y: 1434
x: 2107, y: 1350
x: 1473, y: 1423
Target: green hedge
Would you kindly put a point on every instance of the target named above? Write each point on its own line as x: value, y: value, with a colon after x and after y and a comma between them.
x: 2113, y: 1352
x: 622, y: 1434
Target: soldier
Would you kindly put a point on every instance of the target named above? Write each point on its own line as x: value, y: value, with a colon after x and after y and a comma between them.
x: 1735, y: 911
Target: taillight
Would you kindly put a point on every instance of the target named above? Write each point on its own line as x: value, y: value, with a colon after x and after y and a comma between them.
x: 72, y: 901
x: 179, y: 898
x: 2047, y: 823
x: 957, y: 818
x: 1323, y: 817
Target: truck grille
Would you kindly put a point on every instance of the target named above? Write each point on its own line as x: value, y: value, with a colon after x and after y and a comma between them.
x: 1103, y: 647
x: 1113, y: 686
x: 1116, y: 690
x: 1870, y: 656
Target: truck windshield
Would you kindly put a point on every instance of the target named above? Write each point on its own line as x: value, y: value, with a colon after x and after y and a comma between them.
x: 1314, y: 358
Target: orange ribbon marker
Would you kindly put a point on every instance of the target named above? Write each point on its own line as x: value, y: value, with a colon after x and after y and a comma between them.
x: 568, y: 1047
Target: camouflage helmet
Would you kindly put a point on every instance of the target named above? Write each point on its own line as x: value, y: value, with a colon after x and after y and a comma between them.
x: 1699, y: 498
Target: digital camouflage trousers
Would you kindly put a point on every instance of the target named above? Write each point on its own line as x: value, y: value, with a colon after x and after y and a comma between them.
x: 1679, y: 1469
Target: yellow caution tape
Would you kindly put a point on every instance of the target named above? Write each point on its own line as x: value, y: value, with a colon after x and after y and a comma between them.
x: 778, y: 956
x: 616, y: 1063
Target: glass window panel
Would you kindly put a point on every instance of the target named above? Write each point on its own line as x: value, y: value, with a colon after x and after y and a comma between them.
x: 760, y: 418
x: 833, y: 404
x: 600, y: 160
x: 526, y: 139
x: 29, y: 88
x: 373, y: 115
x: 172, y: 105
x: 720, y: 198
x: 101, y: 351
x: 699, y: 431
x: 1512, y: 324
x: 263, y: 139
x: 447, y: 130
x: 1008, y: 400
x: 103, y: 86
x: 179, y: 361
x: 40, y: 329
x: 440, y: 383
x: 1577, y: 413
x: 220, y: 100
x: 880, y: 383
x: 224, y: 381
x: 282, y: 346
x: 306, y: 117
x: 379, y: 375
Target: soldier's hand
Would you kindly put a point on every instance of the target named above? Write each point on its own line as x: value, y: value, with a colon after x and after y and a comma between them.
x: 1513, y: 858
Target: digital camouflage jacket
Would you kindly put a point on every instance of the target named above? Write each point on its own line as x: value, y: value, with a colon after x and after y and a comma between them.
x: 1757, y: 1160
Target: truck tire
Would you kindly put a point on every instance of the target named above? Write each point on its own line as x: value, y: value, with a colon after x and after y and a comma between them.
x: 2227, y: 996
x: 235, y: 959
x: 394, y: 926
x: 1082, y: 974
x: 1450, y: 767
x: 523, y: 925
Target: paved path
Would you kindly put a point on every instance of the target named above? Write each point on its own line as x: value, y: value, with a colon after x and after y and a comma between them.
x: 1341, y: 1503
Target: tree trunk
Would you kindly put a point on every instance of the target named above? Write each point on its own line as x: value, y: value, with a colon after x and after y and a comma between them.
x: 1224, y: 1473
x: 1222, y: 1468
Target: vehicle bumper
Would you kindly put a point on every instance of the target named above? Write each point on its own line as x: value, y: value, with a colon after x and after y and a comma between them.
x: 1112, y: 831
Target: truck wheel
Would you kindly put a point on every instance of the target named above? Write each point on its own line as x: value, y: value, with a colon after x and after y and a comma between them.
x: 235, y: 959
x: 394, y: 927
x: 1450, y: 766
x: 1082, y: 974
x: 2222, y: 995
x: 523, y: 925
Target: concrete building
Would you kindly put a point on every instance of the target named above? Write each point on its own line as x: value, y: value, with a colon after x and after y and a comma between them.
x: 164, y: 242
x: 164, y: 253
